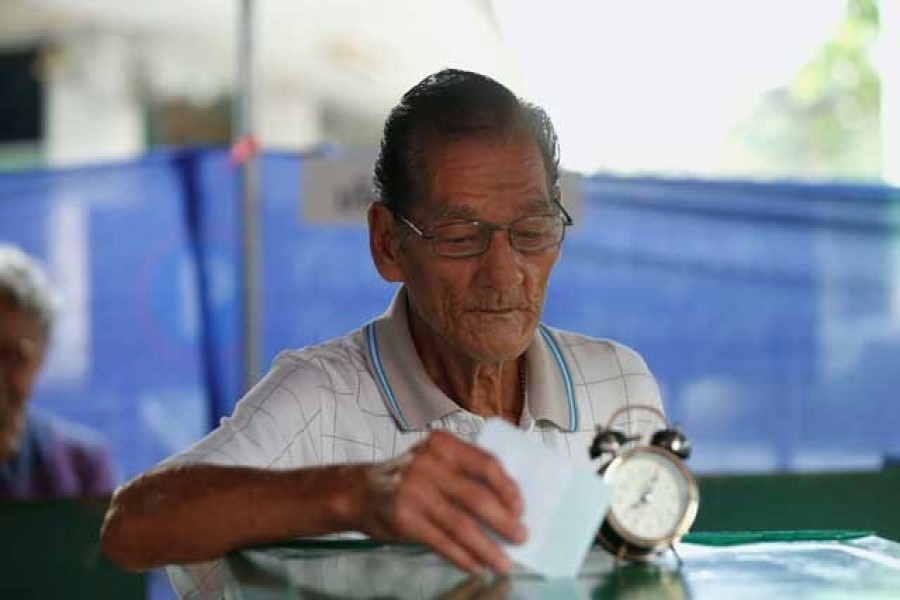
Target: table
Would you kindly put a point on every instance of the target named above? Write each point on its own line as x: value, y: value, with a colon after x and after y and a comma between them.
x: 716, y: 565
x: 49, y: 548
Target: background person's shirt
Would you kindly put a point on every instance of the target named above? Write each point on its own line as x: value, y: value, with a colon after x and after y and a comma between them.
x: 57, y: 459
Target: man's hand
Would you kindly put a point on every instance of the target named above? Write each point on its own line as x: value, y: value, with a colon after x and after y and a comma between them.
x: 439, y: 493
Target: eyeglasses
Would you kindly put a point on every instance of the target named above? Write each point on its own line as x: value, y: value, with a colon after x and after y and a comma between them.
x: 464, y: 239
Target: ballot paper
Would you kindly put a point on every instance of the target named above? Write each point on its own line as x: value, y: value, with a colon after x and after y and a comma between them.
x: 564, y: 503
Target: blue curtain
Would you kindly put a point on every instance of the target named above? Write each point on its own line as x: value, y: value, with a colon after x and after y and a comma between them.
x: 770, y: 312
x: 125, y: 357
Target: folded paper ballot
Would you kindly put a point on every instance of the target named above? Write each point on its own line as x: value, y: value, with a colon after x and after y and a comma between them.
x: 564, y: 503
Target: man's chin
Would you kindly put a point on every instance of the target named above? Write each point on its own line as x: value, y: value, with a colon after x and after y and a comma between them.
x: 497, y: 339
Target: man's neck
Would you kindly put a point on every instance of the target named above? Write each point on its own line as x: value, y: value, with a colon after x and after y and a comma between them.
x: 487, y: 389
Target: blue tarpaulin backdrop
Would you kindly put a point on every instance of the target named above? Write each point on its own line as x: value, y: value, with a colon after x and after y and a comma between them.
x: 770, y: 312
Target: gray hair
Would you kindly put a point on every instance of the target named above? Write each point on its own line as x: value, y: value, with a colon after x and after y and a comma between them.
x: 451, y: 104
x: 25, y: 285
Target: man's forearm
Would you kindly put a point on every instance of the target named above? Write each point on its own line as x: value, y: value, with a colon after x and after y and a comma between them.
x: 193, y: 513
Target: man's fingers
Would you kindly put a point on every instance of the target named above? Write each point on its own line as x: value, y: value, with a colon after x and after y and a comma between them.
x: 448, y: 494
x: 467, y: 533
x: 472, y: 494
x: 423, y: 513
x: 434, y: 536
x: 478, y: 464
x: 431, y: 495
x: 479, y: 501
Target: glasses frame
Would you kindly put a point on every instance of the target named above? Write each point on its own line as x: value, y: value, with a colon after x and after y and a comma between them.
x: 490, y: 228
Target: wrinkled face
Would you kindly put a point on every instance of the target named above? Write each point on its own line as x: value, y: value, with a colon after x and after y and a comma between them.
x: 486, y: 307
x: 22, y: 345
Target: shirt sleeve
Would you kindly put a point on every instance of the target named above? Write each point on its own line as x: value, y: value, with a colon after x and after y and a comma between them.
x: 275, y: 425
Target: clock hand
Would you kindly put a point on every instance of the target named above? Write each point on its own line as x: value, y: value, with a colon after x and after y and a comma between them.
x: 647, y: 494
x: 642, y: 500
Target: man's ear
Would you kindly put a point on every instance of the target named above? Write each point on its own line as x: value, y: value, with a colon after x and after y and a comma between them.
x: 383, y: 242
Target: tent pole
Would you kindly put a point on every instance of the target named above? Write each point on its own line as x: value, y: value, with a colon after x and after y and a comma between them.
x: 250, y: 251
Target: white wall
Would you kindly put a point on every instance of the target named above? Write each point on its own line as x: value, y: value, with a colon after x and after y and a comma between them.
x: 92, y: 109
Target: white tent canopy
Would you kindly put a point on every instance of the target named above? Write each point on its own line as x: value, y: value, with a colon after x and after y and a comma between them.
x: 626, y: 82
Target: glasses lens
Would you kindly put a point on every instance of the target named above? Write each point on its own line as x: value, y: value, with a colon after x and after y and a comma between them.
x: 536, y: 233
x: 458, y: 239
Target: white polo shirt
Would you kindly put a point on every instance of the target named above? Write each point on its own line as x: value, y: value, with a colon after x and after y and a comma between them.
x: 366, y: 397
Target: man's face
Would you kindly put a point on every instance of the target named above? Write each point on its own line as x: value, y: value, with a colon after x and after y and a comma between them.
x: 486, y: 307
x: 22, y: 344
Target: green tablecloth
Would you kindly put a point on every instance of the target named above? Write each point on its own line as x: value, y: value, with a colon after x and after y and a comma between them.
x: 799, y: 564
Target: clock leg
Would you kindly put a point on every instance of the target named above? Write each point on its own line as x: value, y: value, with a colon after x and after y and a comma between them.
x: 677, y: 557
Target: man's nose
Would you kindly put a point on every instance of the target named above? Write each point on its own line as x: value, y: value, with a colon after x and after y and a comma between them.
x: 501, y: 264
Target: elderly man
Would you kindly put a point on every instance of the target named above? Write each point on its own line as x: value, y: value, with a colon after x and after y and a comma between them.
x: 372, y: 432
x: 40, y: 456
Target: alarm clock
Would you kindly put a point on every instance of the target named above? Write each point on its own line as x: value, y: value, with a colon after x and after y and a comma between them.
x: 654, y: 497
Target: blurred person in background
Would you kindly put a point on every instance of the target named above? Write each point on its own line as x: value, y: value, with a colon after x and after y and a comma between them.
x: 41, y: 456
x: 374, y: 432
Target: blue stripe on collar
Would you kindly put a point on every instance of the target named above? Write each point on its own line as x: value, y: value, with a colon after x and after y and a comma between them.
x: 394, y: 406
x: 567, y: 378
x: 372, y: 342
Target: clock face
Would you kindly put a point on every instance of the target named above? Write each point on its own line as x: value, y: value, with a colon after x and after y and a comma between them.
x: 654, y: 498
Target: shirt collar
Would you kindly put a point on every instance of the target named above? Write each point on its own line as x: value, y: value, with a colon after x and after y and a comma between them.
x: 413, y: 398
